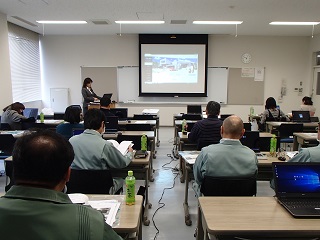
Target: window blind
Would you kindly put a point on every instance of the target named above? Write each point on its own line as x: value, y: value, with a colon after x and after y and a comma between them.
x: 25, y: 64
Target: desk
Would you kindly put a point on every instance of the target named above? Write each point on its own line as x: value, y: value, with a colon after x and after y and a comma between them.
x: 129, y: 216
x: 250, y: 217
x: 155, y: 114
x: 150, y: 135
x: 264, y: 173
x: 52, y: 122
x: 307, y: 127
x: 304, y: 140
x: 14, y: 133
x: 140, y: 168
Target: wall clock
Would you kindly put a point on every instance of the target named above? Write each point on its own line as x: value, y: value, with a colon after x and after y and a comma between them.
x: 246, y: 58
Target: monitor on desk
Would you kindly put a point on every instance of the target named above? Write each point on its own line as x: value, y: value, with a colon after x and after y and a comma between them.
x: 194, y: 109
x: 301, y: 116
x: 111, y: 124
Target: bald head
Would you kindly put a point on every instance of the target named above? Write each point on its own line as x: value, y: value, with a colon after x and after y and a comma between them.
x: 232, y: 127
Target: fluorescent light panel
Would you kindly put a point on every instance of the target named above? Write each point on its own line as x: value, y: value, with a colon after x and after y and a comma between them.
x: 139, y: 22
x: 295, y: 23
x: 218, y: 22
x: 62, y: 22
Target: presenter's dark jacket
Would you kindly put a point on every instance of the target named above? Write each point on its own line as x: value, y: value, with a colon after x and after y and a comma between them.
x: 36, y: 213
x: 88, y: 96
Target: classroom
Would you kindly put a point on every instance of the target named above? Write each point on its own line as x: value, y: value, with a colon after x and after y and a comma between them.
x: 287, y: 54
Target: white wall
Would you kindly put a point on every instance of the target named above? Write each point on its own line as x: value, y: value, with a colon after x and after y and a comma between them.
x: 5, y: 89
x: 287, y: 58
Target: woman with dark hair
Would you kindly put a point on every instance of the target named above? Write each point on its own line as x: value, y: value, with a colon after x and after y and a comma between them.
x: 88, y: 94
x: 272, y: 113
x: 13, y: 115
x: 307, y: 105
x: 72, y: 118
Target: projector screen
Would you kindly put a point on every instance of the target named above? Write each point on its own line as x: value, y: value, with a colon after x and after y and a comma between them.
x: 173, y: 69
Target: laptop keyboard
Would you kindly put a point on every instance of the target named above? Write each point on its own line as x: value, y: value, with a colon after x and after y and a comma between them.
x: 305, y: 203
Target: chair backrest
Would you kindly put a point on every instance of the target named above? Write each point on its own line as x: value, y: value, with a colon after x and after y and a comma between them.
x: 9, y: 174
x: 139, y: 127
x: 90, y: 181
x: 192, y: 116
x: 33, y: 126
x: 136, y: 139
x: 58, y: 116
x: 203, y: 143
x: 224, y: 116
x: 229, y: 186
x: 77, y: 131
x: 5, y: 126
x: 6, y: 145
x: 143, y: 117
x: 314, y: 119
x: 286, y: 130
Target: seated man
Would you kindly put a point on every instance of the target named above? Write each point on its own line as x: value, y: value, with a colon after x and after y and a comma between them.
x: 93, y: 152
x: 35, y: 208
x: 208, y: 129
x: 229, y: 158
x: 105, y: 106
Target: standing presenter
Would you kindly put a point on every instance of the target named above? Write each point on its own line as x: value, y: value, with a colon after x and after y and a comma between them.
x: 88, y: 94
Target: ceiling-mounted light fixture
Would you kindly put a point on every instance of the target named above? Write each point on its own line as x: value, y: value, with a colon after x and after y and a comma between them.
x: 140, y: 22
x: 218, y: 22
x: 62, y: 22
x: 295, y: 23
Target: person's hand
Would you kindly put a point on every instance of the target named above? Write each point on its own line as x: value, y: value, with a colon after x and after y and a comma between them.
x: 130, y: 149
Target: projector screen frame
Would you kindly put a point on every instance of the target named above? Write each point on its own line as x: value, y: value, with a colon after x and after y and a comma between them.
x: 174, y: 39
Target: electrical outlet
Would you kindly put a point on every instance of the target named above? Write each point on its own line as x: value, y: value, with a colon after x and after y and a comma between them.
x: 296, y: 89
x: 300, y: 91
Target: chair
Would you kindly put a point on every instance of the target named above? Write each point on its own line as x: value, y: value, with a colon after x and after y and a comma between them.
x: 314, y: 119
x: 192, y: 116
x: 33, y: 126
x: 5, y: 126
x: 76, y: 131
x: 6, y: 145
x: 58, y: 116
x: 136, y: 139
x: 286, y: 131
x: 229, y: 186
x: 224, y: 116
x: 8, y: 166
x: 90, y: 181
x: 204, y: 143
x: 143, y: 117
x: 139, y: 127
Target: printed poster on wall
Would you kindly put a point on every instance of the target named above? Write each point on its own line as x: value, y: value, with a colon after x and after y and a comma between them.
x: 247, y: 72
x: 259, y: 74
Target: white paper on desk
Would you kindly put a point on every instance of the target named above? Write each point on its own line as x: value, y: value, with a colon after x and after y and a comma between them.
x: 109, y: 208
x: 122, y: 147
x: 190, y: 158
x: 79, y: 198
x: 140, y: 122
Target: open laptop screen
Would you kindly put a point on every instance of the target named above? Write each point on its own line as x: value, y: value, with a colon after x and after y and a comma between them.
x: 301, y: 116
x: 111, y: 124
x: 30, y: 112
x: 296, y: 179
x: 251, y: 139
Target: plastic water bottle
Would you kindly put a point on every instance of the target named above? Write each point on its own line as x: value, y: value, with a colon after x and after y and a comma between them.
x: 41, y: 117
x: 184, y: 126
x: 251, y: 111
x: 273, y: 146
x: 130, y: 189
x: 144, y: 142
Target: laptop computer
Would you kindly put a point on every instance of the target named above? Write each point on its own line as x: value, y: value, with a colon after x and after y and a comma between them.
x: 301, y: 116
x: 107, y: 95
x: 30, y: 112
x: 111, y: 124
x: 297, y: 187
x: 251, y: 139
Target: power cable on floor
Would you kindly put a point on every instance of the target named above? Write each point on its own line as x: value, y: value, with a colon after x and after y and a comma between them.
x: 162, y: 204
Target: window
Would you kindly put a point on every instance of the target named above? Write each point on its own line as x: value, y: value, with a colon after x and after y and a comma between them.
x: 25, y: 64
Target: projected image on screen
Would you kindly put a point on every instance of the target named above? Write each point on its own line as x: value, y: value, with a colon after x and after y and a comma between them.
x: 171, y: 68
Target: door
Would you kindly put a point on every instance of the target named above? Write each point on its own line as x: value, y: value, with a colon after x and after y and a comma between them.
x: 59, y: 98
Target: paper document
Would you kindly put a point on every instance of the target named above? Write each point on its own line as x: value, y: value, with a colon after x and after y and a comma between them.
x: 122, y: 147
x: 109, y: 208
x: 79, y: 198
x: 190, y: 158
x: 261, y: 156
x: 292, y: 154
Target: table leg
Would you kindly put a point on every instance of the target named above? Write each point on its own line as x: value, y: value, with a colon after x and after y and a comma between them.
x: 182, y: 169
x: 185, y: 204
x: 157, y: 132
x: 147, y: 205
x: 295, y: 143
x: 200, y: 233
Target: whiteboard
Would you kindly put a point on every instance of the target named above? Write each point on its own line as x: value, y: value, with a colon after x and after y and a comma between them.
x: 128, y: 87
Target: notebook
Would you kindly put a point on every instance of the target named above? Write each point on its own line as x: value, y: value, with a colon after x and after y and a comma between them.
x: 301, y: 116
x: 297, y: 187
x: 111, y: 124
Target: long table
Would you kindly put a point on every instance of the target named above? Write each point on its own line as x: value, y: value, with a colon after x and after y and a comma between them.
x: 188, y: 157
x: 129, y: 216
x: 307, y: 127
x: 304, y: 140
x: 251, y: 217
